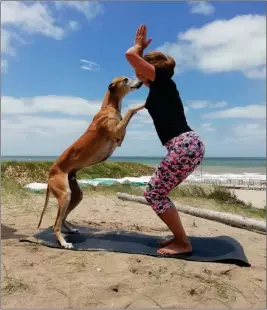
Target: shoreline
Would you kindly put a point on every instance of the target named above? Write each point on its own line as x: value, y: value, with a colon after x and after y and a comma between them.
x: 225, y: 169
x: 248, y: 186
x: 205, y: 169
x: 209, y: 165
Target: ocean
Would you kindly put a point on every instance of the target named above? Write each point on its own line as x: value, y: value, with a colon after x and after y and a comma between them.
x: 210, y: 165
x: 213, y: 170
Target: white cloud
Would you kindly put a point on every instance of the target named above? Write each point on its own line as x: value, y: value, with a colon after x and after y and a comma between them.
x: 28, y: 123
x: 46, y: 125
x: 250, y: 132
x: 49, y: 104
x: 142, y: 119
x: 207, y: 127
x: 37, y: 135
x: 88, y: 8
x: 140, y: 141
x: 256, y: 74
x: 36, y: 18
x: 186, y: 110
x: 73, y: 25
x: 234, y: 45
x: 253, y: 111
x: 201, y: 104
x: 89, y: 65
x: 201, y: 7
x: 28, y: 127
x: 4, y: 66
x: 6, y: 42
x: 141, y: 135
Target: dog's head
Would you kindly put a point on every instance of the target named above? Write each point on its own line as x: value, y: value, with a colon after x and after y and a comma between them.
x: 123, y: 85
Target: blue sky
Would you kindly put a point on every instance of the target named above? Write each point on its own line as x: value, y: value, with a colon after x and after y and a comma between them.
x: 57, y: 59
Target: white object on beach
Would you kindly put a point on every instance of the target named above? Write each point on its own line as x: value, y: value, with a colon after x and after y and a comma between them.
x: 97, y: 181
x: 36, y: 186
x: 220, y: 179
x: 222, y: 217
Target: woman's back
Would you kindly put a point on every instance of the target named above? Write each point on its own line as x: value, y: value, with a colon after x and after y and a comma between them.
x: 165, y: 107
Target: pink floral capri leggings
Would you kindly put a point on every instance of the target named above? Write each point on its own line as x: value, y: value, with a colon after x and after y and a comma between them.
x: 185, y: 153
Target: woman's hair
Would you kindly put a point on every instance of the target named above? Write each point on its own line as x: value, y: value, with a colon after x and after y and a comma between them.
x: 159, y: 60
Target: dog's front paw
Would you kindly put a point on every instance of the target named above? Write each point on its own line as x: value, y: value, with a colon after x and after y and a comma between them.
x: 139, y: 108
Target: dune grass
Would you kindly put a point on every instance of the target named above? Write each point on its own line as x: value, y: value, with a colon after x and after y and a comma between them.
x: 216, y: 197
x: 14, y: 175
x: 212, y: 197
x: 27, y: 172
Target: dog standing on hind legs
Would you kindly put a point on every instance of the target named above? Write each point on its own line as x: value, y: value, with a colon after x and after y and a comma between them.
x: 106, y: 132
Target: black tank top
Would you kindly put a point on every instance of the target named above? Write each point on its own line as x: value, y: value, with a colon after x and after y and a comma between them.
x: 165, y: 107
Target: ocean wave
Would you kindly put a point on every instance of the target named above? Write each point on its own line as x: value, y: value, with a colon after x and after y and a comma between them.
x: 228, y: 176
x: 196, y: 177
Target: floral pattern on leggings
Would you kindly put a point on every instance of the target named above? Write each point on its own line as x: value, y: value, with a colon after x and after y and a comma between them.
x: 185, y: 153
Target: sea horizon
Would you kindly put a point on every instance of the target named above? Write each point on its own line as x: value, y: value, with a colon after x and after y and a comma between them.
x: 211, y: 165
x: 132, y: 156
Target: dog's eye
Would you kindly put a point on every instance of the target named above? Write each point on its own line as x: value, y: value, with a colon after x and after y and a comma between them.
x: 125, y: 80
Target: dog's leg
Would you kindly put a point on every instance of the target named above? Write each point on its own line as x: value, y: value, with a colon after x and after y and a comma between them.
x: 76, y: 198
x: 122, y: 139
x: 59, y: 186
x: 118, y: 131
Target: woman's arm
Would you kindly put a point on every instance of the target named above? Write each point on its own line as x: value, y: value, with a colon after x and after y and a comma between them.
x: 134, y: 57
x: 135, y: 53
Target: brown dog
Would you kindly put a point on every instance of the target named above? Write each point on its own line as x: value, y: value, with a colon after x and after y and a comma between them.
x: 105, y: 133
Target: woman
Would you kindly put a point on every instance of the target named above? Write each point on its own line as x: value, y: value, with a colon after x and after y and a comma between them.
x: 185, y: 150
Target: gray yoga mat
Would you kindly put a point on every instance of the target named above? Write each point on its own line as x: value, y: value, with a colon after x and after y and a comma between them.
x: 222, y: 249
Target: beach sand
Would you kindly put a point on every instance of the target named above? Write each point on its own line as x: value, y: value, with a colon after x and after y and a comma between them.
x: 256, y: 197
x: 34, y: 276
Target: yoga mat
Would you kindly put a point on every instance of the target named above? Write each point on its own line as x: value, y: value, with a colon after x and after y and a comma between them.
x: 222, y: 249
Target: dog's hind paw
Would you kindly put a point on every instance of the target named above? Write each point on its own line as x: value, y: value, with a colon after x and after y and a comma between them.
x: 75, y: 231
x: 68, y: 245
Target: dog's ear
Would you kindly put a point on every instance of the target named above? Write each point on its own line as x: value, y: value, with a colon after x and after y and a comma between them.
x: 111, y: 87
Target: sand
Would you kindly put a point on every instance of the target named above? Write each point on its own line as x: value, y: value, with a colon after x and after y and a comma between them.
x: 256, y: 197
x: 34, y: 276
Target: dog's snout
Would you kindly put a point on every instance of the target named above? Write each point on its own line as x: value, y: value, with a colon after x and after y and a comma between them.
x: 139, y: 84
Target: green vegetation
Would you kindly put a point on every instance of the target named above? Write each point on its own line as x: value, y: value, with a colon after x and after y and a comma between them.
x: 216, y: 198
x: 27, y: 172
x: 215, y: 192
x: 15, y: 175
x: 205, y: 197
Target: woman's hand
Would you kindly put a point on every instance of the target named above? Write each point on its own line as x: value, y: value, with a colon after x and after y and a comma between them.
x: 140, y: 37
x: 134, y: 56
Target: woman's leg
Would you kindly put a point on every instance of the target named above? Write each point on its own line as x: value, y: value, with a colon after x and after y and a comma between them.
x: 180, y: 243
x: 184, y: 155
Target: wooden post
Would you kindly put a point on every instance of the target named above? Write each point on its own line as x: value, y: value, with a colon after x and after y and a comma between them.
x: 221, y: 217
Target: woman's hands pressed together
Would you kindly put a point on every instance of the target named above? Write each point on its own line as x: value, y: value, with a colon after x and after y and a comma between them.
x: 140, y: 39
x: 143, y: 70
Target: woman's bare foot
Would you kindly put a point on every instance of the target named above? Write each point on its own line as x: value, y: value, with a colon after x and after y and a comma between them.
x: 164, y: 243
x: 176, y: 247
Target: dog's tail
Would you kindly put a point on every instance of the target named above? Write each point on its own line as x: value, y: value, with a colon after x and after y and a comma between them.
x: 45, y: 205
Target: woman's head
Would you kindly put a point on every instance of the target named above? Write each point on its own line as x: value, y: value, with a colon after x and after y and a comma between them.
x: 159, y: 60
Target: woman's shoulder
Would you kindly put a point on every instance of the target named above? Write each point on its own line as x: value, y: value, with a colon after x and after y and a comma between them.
x: 162, y: 77
x: 161, y: 74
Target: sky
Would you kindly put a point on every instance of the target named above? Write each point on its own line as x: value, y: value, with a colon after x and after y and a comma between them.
x: 58, y: 58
